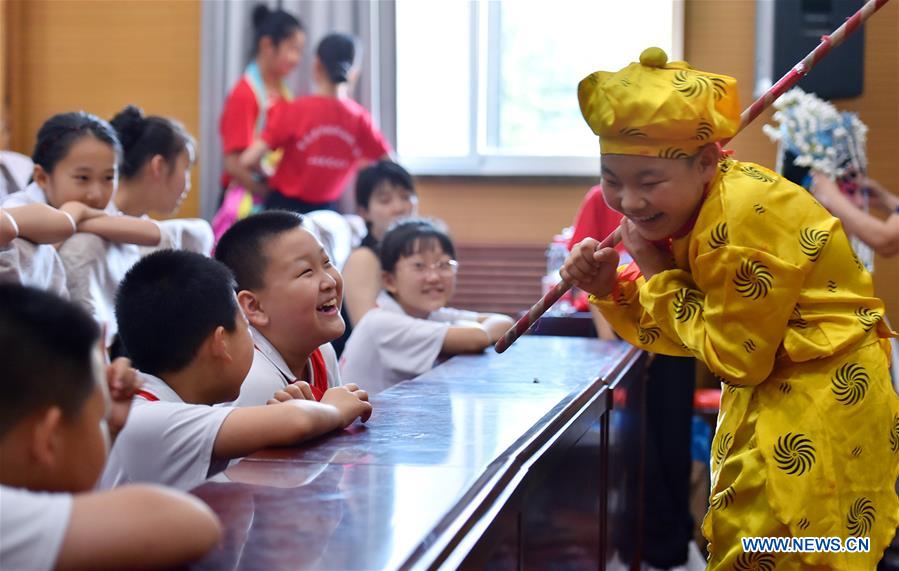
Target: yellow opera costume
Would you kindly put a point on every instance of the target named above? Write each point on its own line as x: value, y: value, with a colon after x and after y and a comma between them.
x: 768, y: 293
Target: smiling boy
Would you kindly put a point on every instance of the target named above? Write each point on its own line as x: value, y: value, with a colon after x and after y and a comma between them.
x: 291, y: 294
x: 748, y: 273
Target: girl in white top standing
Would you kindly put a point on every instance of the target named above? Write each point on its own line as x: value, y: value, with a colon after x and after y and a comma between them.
x: 411, y: 326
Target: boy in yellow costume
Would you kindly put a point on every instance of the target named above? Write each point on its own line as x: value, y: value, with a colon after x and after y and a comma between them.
x: 747, y: 272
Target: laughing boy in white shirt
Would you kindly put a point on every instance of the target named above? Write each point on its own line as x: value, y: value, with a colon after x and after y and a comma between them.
x: 180, y: 324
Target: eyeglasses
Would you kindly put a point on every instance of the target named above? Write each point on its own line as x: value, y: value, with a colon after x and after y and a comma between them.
x: 443, y: 267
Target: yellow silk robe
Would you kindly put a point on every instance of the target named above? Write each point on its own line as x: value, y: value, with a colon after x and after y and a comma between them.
x: 769, y: 295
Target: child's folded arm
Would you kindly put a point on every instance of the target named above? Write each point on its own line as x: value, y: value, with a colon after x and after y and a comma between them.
x: 124, y: 229
x: 476, y: 334
x: 254, y: 428
x: 38, y: 223
x: 496, y: 325
x: 250, y: 429
x: 145, y: 526
x: 466, y: 337
x: 736, y: 323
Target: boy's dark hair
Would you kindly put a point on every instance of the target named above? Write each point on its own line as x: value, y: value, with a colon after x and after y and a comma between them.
x: 412, y: 236
x: 168, y: 305
x: 47, y: 344
x: 144, y: 137
x: 337, y: 52
x: 242, y: 247
x: 275, y: 24
x: 58, y: 133
x: 371, y: 176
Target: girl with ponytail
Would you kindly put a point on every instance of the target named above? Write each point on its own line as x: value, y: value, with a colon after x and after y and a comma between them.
x: 278, y: 42
x: 325, y: 137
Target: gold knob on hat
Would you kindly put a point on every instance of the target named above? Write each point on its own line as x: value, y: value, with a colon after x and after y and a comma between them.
x: 653, y: 57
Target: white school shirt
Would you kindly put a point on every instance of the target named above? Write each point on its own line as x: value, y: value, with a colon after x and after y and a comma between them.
x: 32, y: 194
x: 270, y: 373
x: 189, y: 234
x: 94, y: 267
x: 35, y: 265
x: 19, y: 168
x: 26, y: 263
x: 32, y: 528
x: 166, y: 441
x: 388, y: 345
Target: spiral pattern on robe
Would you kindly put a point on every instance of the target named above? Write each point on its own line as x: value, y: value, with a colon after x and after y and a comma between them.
x: 687, y: 303
x: 756, y: 174
x: 723, y: 446
x: 860, y: 518
x: 723, y: 499
x: 796, y: 319
x: 648, y: 335
x: 719, y: 236
x: 754, y: 561
x: 867, y: 317
x: 753, y: 280
x: 812, y: 241
x: 894, y: 434
x: 794, y: 454
x: 849, y: 384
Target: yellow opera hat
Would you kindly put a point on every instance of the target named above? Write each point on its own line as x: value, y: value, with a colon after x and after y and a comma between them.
x: 658, y: 108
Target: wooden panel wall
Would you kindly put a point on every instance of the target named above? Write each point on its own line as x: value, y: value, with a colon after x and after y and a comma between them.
x: 99, y: 56
x: 3, y: 66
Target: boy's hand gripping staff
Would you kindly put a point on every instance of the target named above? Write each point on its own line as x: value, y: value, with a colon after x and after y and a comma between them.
x: 790, y: 79
x: 547, y: 301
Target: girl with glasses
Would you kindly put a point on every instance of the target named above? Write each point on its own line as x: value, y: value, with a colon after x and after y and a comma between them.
x: 412, y: 327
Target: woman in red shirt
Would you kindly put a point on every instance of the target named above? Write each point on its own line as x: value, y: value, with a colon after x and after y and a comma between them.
x: 278, y: 43
x: 324, y: 136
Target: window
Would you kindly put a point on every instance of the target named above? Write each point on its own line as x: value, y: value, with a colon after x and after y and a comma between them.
x: 489, y: 87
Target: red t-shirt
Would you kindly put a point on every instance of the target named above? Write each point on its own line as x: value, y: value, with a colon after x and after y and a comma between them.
x: 237, y: 124
x: 595, y: 219
x: 323, y: 139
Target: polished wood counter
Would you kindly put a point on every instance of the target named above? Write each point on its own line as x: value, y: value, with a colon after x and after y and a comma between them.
x: 457, y: 468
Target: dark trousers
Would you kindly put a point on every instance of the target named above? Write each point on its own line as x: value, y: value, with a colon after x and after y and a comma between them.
x: 668, y: 525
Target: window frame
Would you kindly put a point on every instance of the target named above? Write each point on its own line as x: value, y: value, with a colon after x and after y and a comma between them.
x: 482, y: 158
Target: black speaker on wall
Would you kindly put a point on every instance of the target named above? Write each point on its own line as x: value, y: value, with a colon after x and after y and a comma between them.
x: 787, y: 30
